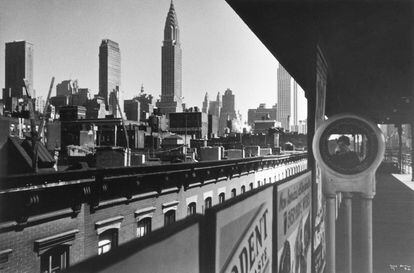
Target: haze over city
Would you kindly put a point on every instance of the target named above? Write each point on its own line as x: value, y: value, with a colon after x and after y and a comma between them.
x: 219, y: 50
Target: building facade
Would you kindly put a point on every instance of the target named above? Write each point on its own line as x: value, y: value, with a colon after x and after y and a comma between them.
x: 18, y: 66
x: 109, y: 72
x: 189, y: 123
x: 132, y: 109
x: 171, y: 93
x: 260, y: 113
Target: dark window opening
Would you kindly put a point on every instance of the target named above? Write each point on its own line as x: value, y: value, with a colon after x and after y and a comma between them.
x: 55, y: 259
x: 144, y: 226
x: 169, y: 217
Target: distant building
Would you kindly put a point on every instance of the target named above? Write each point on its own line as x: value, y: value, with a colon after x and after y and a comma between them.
x: 214, y: 107
x: 303, y: 127
x: 81, y: 97
x: 213, y: 126
x: 132, y: 109
x: 109, y: 70
x: 18, y: 66
x: 95, y: 108
x: 228, y: 111
x: 205, y: 104
x: 284, y: 105
x: 67, y: 88
x: 263, y: 126
x: 189, y: 123
x: 146, y: 107
x: 171, y: 93
x: 261, y: 112
x: 69, y: 113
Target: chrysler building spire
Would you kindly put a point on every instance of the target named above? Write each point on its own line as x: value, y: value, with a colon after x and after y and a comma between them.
x: 171, y: 30
x: 171, y: 95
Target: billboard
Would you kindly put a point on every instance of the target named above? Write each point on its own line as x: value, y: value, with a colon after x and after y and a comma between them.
x: 243, y: 241
x: 294, y: 225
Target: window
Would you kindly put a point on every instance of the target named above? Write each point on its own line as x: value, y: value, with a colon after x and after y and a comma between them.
x: 107, y: 240
x: 233, y: 193
x: 143, y: 227
x: 222, y: 197
x: 258, y: 183
x: 270, y: 180
x: 192, y: 208
x: 208, y: 202
x: 264, y: 181
x: 169, y: 217
x: 55, y: 259
x: 251, y: 186
x: 243, y: 189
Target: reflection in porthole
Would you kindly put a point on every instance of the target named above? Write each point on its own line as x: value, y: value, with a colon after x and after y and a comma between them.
x: 348, y: 146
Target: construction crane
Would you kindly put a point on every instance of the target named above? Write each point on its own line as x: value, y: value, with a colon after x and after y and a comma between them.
x: 34, y: 134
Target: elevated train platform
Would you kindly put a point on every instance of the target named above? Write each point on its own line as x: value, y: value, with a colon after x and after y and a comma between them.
x: 393, y: 227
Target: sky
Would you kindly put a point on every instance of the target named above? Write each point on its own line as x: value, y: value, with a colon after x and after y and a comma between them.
x: 218, y: 50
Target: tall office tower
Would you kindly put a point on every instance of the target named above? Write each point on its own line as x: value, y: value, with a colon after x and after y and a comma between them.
x: 294, y: 125
x: 228, y: 111
x: 284, y: 109
x: 19, y: 66
x: 109, y: 73
x: 205, y: 104
x: 171, y: 96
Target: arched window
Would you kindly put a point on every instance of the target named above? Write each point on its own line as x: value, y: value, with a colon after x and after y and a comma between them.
x: 107, y: 240
x: 208, y: 202
x: 169, y: 217
x: 192, y: 208
x: 55, y: 259
x: 144, y: 226
x: 222, y: 197
x: 251, y: 186
x: 243, y: 189
x: 233, y: 193
x: 258, y: 183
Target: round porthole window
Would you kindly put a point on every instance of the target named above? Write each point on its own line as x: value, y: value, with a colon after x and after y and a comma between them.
x: 348, y: 146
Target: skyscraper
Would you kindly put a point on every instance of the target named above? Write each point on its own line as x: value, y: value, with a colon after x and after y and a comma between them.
x: 228, y: 111
x: 205, y: 104
x: 295, y: 107
x: 171, y: 96
x: 109, y: 73
x: 284, y: 106
x: 19, y: 66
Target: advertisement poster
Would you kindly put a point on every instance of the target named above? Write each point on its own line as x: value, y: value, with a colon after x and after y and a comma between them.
x: 294, y: 225
x: 244, y: 235
x: 319, y: 251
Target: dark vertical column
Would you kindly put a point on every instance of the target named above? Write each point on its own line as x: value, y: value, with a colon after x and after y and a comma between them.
x: 348, y: 232
x: 366, y: 233
x: 330, y: 236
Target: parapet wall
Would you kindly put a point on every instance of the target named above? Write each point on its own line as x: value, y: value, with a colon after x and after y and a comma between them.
x: 42, y: 212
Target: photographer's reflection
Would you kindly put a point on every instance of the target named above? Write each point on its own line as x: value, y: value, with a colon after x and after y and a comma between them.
x: 344, y: 156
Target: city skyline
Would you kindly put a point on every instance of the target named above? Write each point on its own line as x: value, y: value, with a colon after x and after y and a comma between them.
x: 219, y: 50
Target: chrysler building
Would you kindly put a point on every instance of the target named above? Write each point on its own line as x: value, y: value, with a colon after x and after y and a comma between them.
x: 171, y: 94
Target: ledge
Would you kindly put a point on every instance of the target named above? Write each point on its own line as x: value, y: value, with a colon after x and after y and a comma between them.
x: 109, y: 221
x: 170, y: 204
x: 144, y: 211
x: 44, y: 244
